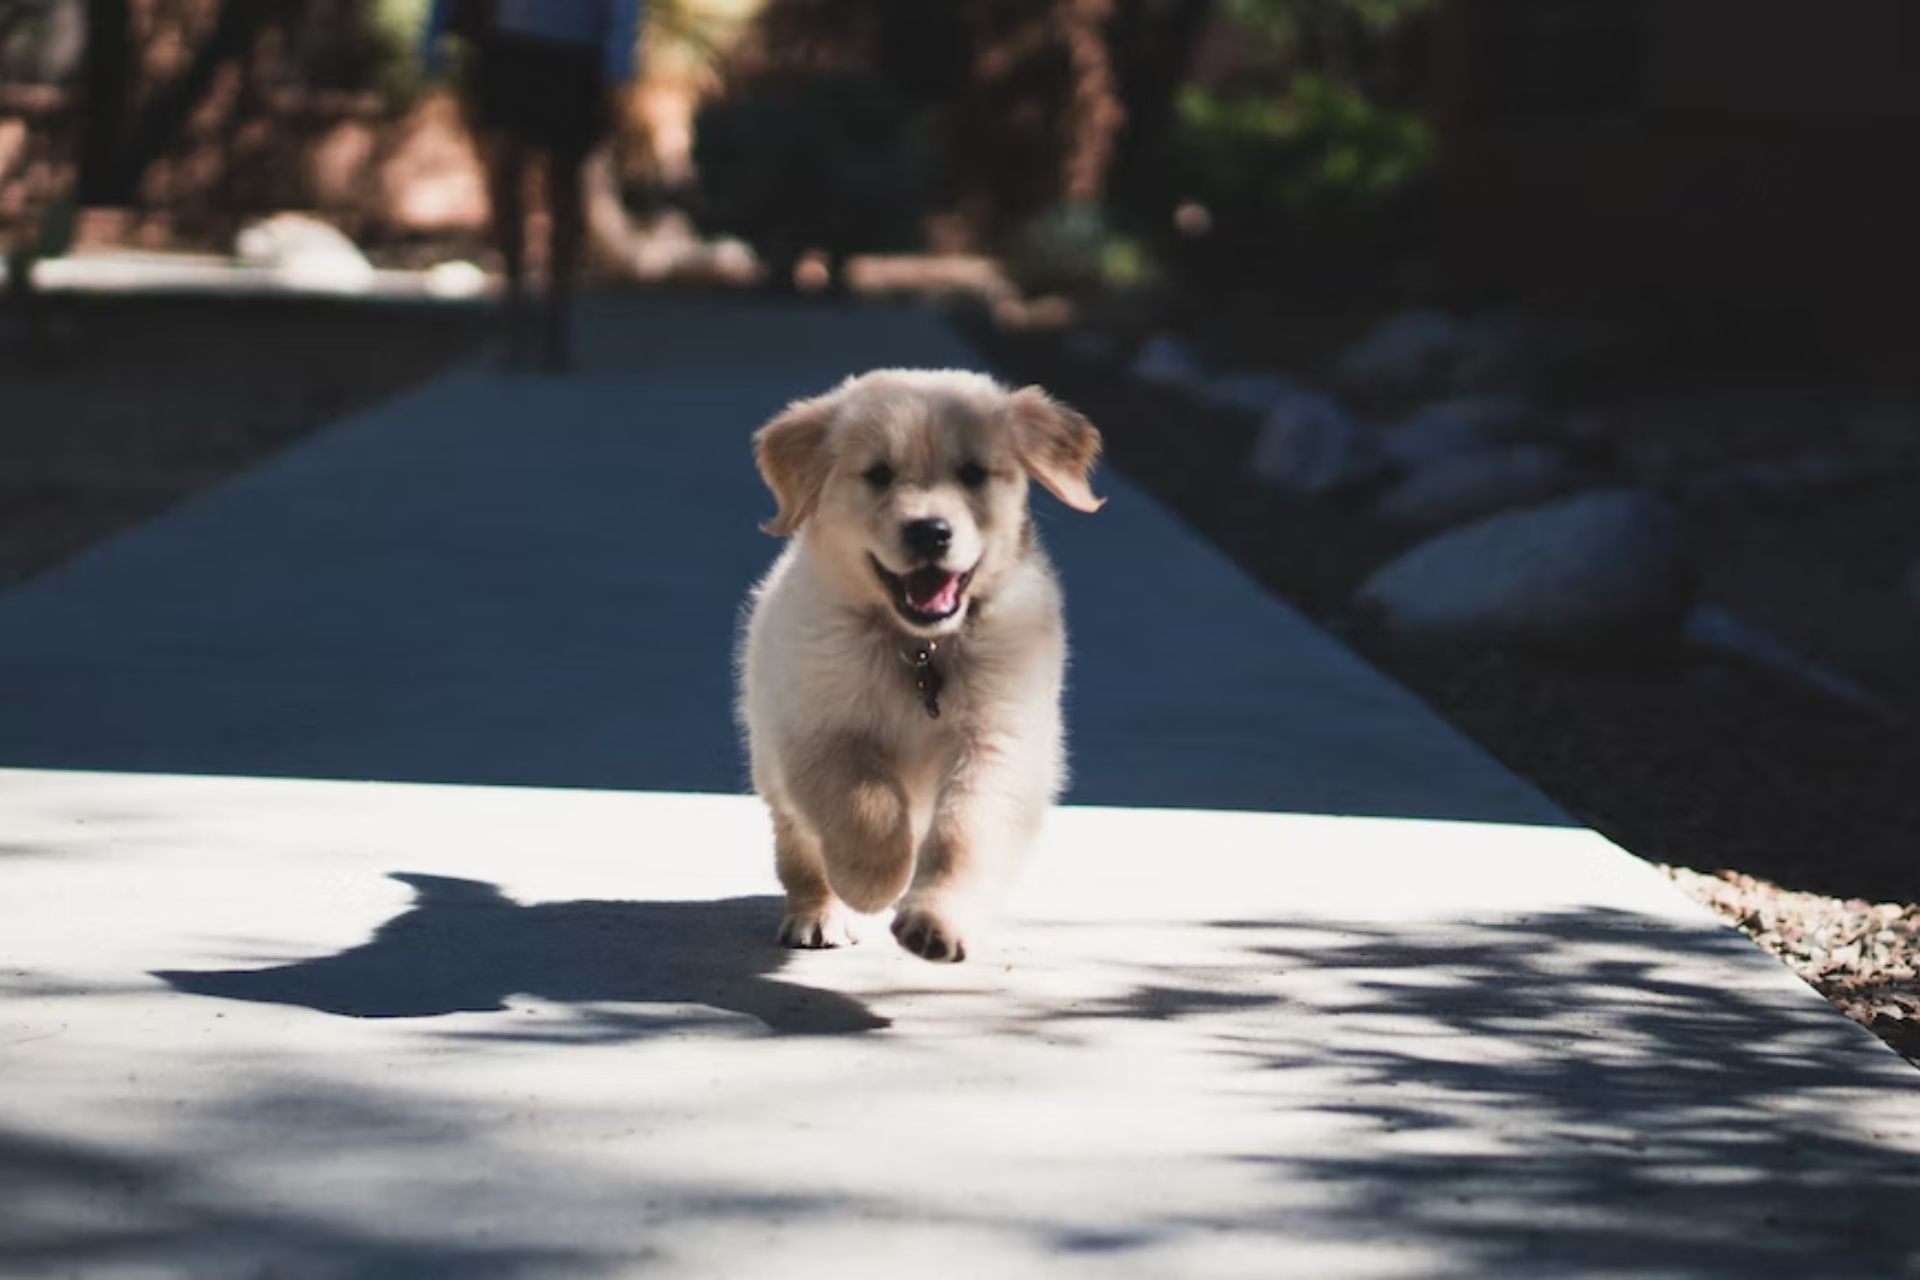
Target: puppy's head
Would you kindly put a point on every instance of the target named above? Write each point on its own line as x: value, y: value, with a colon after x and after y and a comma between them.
x: 911, y: 486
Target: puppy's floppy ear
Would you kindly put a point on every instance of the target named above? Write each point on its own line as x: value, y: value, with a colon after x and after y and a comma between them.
x: 792, y: 454
x: 1057, y: 446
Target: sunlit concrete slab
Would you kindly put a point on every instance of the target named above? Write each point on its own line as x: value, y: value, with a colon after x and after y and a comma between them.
x: 272, y: 1027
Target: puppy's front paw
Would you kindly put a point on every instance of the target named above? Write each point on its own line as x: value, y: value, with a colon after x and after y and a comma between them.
x: 816, y: 927
x: 928, y: 932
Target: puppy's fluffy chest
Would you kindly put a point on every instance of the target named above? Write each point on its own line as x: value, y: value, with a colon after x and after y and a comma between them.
x: 831, y: 665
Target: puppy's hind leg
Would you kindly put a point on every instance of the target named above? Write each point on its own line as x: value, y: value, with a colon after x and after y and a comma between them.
x: 814, y: 916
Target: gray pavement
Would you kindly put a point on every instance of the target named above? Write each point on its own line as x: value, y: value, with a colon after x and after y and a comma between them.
x: 534, y: 581
x: 375, y: 904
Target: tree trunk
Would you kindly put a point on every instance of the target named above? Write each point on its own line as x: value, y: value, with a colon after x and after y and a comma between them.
x: 1153, y: 43
x: 107, y: 73
x: 1094, y: 111
x: 118, y: 152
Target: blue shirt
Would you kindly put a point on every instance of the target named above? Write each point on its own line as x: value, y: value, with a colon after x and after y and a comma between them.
x: 611, y: 26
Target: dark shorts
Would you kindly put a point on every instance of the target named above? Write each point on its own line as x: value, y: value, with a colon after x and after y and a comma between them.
x: 553, y: 95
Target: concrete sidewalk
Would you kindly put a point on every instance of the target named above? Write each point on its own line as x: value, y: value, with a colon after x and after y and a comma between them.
x: 1381, y: 1012
x: 536, y: 581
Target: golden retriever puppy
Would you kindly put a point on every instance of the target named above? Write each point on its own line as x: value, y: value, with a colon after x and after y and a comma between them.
x: 901, y: 666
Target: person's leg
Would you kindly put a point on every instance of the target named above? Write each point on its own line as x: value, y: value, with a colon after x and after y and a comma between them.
x: 506, y: 160
x: 566, y: 231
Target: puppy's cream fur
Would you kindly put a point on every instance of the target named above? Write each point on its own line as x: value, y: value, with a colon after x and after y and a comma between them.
x: 872, y: 798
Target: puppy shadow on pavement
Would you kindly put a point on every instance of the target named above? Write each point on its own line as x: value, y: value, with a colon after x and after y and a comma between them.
x: 465, y: 947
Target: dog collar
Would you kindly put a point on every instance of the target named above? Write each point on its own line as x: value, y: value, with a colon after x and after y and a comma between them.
x: 927, y: 680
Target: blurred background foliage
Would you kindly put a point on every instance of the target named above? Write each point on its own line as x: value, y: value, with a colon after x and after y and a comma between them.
x: 1299, y: 182
x: 1093, y: 144
x: 1323, y: 31
x: 394, y: 28
x: 1156, y: 147
x: 832, y: 162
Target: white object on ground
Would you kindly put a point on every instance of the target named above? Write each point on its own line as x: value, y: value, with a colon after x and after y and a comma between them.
x: 304, y: 252
x: 455, y: 280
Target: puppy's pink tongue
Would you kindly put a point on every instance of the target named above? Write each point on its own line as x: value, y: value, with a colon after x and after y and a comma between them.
x: 933, y: 591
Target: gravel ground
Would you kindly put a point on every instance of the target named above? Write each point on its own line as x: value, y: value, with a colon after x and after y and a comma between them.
x: 1781, y: 808
x: 1863, y: 956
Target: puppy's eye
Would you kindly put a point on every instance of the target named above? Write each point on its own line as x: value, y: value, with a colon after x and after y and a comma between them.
x: 972, y: 475
x: 879, y: 475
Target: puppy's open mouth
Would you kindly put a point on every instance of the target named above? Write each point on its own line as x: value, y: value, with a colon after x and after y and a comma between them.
x: 927, y: 595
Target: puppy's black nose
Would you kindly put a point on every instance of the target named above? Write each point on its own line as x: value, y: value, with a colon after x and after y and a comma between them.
x: 928, y: 539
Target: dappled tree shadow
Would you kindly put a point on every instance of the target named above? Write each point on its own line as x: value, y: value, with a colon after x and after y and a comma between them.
x: 1582, y: 1088
x: 466, y: 947
x: 1576, y: 1093
x: 69, y: 1208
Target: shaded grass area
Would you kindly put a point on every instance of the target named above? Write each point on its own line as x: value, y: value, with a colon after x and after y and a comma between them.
x: 139, y: 402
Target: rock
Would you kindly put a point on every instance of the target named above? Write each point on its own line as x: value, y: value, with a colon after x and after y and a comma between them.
x: 1589, y: 436
x: 1811, y: 474
x: 731, y: 260
x: 1404, y: 356
x: 1165, y: 361
x: 285, y: 236
x: 1818, y: 471
x: 1493, y: 354
x: 1476, y: 485
x: 1424, y: 352
x: 1310, y: 445
x: 666, y: 248
x: 1248, y: 392
x: 1602, y: 570
x: 304, y: 252
x: 456, y: 279
x: 1887, y: 431
x: 1502, y: 416
x: 1456, y: 429
x: 1719, y: 631
x: 1090, y: 346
